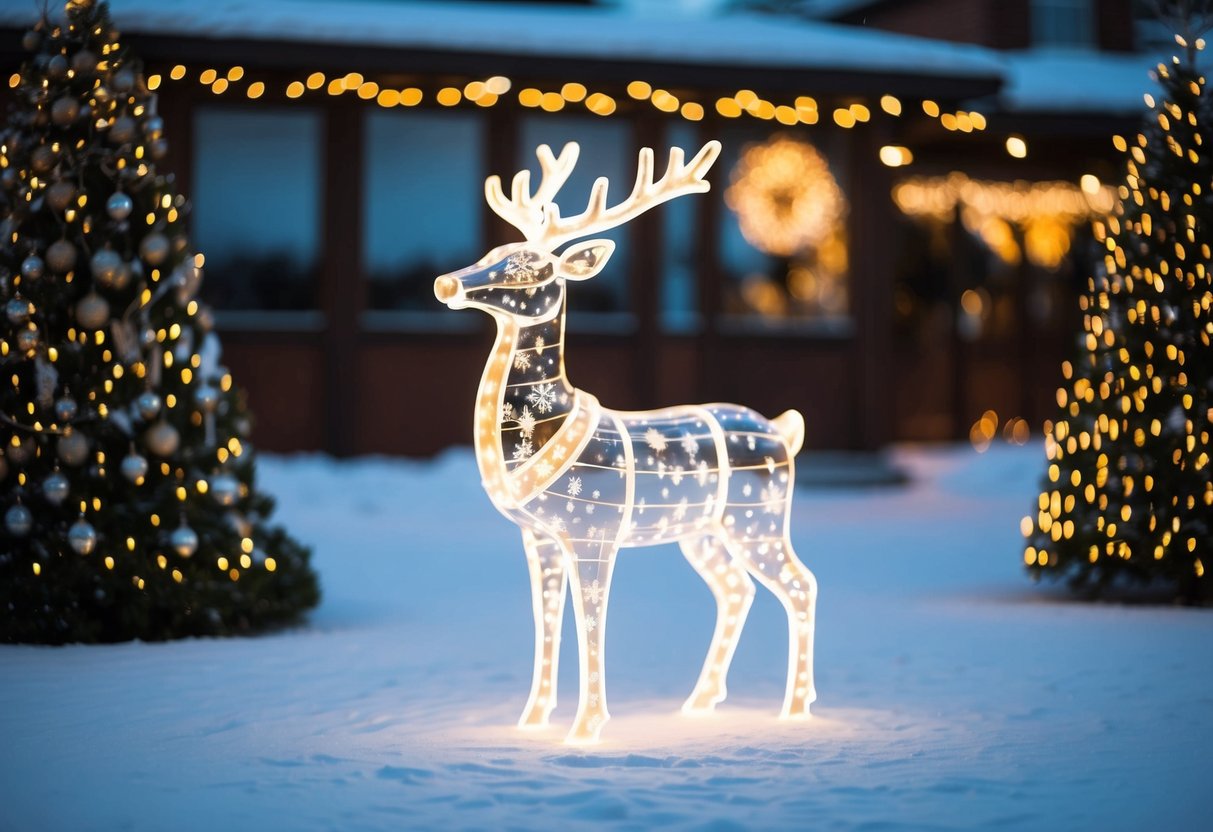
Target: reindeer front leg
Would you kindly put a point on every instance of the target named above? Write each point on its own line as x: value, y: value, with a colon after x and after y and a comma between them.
x: 590, y: 582
x: 545, y: 561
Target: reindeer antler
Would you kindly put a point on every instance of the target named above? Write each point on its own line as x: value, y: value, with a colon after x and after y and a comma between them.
x: 550, y: 228
x: 524, y: 210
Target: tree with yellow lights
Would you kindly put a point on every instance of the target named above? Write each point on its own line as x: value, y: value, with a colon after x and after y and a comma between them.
x: 1128, y: 496
x: 126, y: 488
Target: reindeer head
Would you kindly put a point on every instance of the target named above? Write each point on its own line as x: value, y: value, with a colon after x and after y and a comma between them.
x: 525, y: 280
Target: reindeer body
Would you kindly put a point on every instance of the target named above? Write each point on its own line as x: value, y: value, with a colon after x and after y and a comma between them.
x: 583, y: 481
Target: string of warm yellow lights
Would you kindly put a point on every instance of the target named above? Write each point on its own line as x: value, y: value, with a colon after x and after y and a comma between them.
x: 802, y: 109
x: 1046, y: 212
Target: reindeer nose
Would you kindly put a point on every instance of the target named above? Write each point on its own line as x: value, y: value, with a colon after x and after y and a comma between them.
x: 445, y: 288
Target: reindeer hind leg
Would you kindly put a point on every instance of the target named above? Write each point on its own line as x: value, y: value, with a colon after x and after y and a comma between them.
x: 734, y: 592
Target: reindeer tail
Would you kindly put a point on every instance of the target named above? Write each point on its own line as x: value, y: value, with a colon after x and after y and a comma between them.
x: 790, y: 425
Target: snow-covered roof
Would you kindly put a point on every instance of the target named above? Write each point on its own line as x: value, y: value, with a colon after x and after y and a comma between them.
x: 1076, y: 81
x: 751, y: 40
x: 1044, y: 81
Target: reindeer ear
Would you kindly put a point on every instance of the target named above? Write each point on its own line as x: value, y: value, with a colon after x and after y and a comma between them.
x: 586, y: 259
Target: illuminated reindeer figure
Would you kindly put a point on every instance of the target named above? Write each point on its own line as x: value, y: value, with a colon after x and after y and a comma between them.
x: 582, y: 480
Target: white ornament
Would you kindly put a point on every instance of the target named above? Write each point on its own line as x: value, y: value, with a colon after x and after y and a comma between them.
x: 637, y: 467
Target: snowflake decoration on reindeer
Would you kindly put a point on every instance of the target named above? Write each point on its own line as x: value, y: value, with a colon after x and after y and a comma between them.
x: 543, y: 445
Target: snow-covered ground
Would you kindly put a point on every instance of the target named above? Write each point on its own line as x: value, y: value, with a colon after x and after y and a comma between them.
x: 952, y: 693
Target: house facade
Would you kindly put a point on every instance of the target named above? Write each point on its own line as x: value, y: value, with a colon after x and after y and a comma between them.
x: 843, y: 263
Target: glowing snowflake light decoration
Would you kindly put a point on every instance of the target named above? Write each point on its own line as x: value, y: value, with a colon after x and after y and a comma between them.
x: 583, y: 481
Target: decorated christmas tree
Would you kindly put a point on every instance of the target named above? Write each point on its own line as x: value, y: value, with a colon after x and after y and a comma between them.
x: 126, y: 480
x: 1128, y: 495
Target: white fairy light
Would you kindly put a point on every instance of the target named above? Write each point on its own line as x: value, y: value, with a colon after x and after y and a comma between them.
x: 583, y: 481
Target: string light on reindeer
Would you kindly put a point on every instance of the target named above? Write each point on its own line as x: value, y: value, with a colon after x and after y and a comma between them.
x: 583, y: 481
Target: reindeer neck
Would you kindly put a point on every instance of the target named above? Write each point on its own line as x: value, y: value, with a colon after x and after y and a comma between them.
x: 524, y: 396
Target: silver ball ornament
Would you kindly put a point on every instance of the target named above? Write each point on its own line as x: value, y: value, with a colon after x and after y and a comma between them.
x: 73, y: 448
x: 207, y: 398
x: 18, y: 521
x: 31, y: 40
x: 66, y: 409
x: 104, y: 265
x: 154, y: 248
x: 158, y: 149
x: 148, y: 404
x: 59, y: 195
x: 162, y: 439
x: 134, y: 468
x: 119, y: 206
x: 123, y: 80
x: 122, y: 130
x: 154, y: 127
x: 65, y: 111
x: 92, y: 311
x: 225, y: 489
x: 27, y: 339
x: 84, y: 61
x: 55, y: 488
x: 184, y: 541
x: 32, y: 267
x: 61, y: 256
x: 57, y: 66
x: 18, y: 310
x: 82, y: 537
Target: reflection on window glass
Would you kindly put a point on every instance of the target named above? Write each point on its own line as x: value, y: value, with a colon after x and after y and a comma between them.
x: 782, y: 241
x: 256, y: 212
x: 424, y: 189
x: 679, y: 286
x: 606, y: 150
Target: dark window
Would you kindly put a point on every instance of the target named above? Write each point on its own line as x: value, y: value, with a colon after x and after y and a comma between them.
x: 1062, y: 23
x: 424, y: 191
x: 257, y: 206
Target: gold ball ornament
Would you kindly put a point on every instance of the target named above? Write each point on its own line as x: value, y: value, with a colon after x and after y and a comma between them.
x: 73, y: 448
x: 92, y: 311
x: 60, y: 194
x: 65, y: 111
x: 82, y: 537
x: 61, y: 256
x: 154, y: 248
x: 162, y: 439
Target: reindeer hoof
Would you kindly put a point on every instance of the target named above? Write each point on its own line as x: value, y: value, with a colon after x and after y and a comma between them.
x: 586, y: 731
x: 702, y: 703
